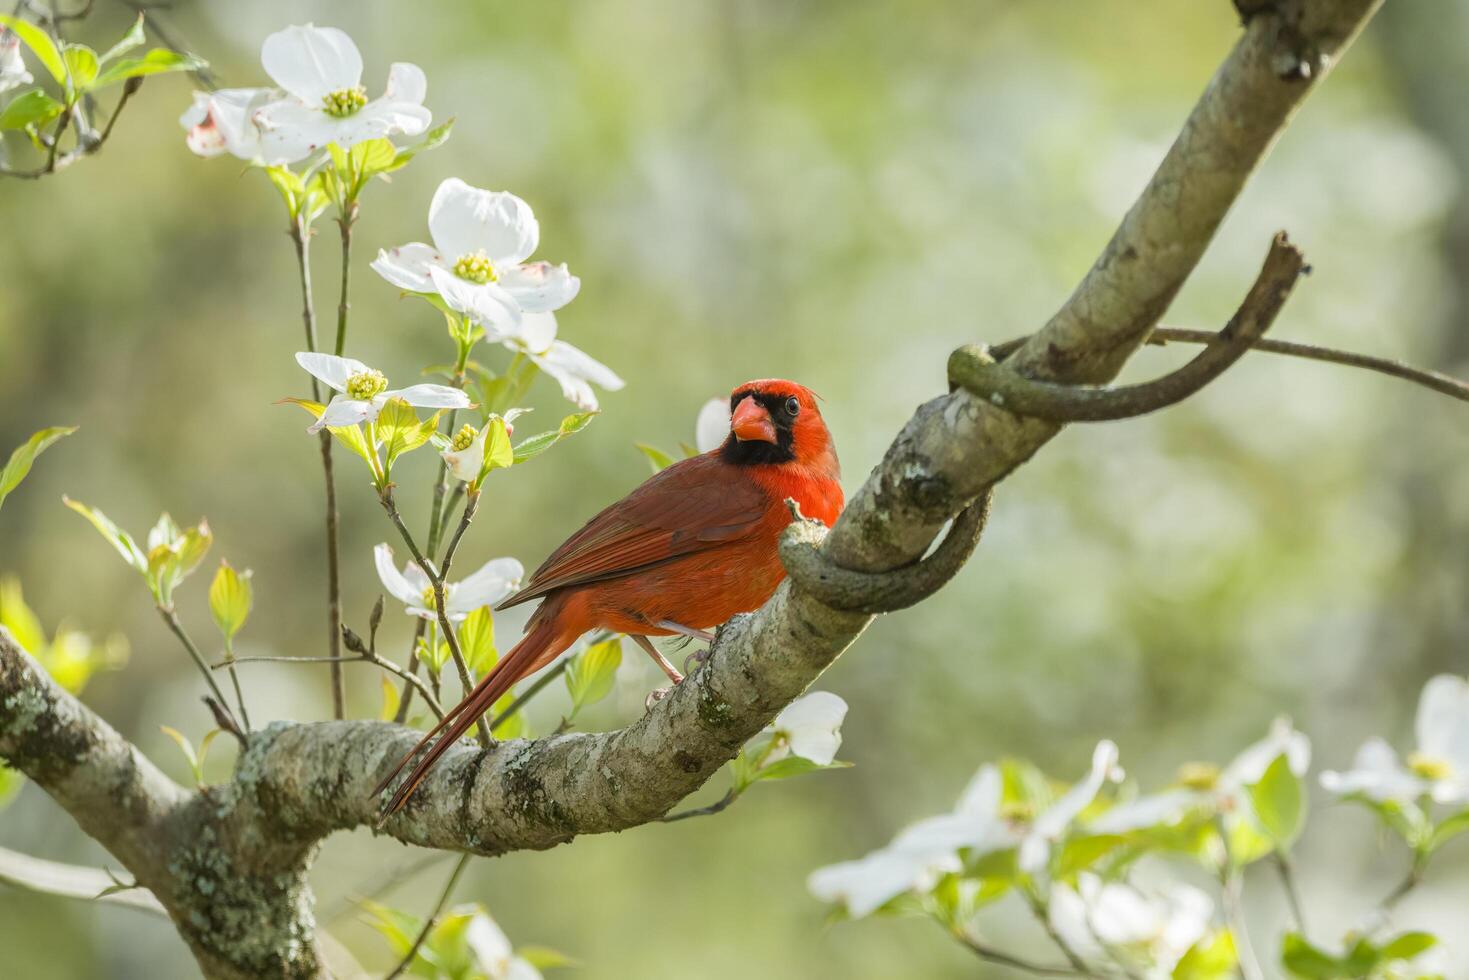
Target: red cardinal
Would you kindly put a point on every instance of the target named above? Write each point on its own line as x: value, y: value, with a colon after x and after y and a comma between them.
x: 681, y: 554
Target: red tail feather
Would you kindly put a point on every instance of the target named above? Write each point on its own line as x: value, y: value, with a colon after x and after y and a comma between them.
x: 533, y: 651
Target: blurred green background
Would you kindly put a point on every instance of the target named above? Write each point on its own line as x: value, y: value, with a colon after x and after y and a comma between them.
x: 840, y: 193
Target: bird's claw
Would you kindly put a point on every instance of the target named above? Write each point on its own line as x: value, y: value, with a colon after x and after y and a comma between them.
x: 696, y: 658
x: 656, y: 695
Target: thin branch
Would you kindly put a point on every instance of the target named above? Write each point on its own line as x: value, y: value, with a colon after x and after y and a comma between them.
x: 992, y: 955
x: 370, y: 658
x: 1286, y: 869
x: 429, y: 923
x: 1042, y: 913
x: 437, y: 578
x: 73, y: 881
x: 718, y: 806
x: 344, y: 306
x: 300, y: 233
x: 171, y: 618
x: 1412, y: 880
x: 1433, y: 380
x: 405, y: 697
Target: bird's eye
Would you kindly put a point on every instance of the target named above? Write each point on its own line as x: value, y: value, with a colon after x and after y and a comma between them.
x: 793, y: 406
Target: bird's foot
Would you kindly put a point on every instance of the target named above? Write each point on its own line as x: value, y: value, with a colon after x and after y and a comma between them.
x: 656, y: 695
x: 696, y: 658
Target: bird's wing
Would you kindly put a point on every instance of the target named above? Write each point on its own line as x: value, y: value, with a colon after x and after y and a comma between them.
x: 691, y: 506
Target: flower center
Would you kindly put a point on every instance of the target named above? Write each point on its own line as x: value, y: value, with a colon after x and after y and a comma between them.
x: 476, y: 267
x: 344, y: 102
x: 1430, y: 767
x: 1016, y: 812
x: 463, y: 438
x: 1198, y: 775
x: 366, y: 385
x: 430, y: 601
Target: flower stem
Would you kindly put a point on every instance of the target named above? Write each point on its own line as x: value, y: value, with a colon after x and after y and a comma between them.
x: 437, y: 578
x: 300, y: 235
x: 428, y: 924
x: 1287, y: 871
x: 1232, y: 892
x: 1041, y: 910
x: 716, y: 807
x: 345, y: 221
x: 370, y: 658
x: 229, y: 658
x: 992, y: 955
x: 437, y: 515
x: 171, y: 618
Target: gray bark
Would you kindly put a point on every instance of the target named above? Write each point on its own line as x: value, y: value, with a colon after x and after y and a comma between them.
x: 229, y: 863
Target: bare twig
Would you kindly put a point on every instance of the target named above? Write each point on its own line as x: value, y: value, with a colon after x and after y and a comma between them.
x: 300, y: 233
x: 1286, y: 869
x: 433, y: 917
x: 171, y: 618
x: 992, y: 955
x: 718, y: 806
x: 370, y: 658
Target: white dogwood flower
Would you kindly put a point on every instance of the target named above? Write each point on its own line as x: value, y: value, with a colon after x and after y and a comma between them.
x: 1051, y: 825
x: 363, y: 391
x: 809, y: 727
x: 477, y: 263
x: 571, y: 367
x: 320, y: 70
x: 222, y: 122
x: 919, y: 855
x: 12, y: 66
x: 1208, y: 789
x: 1438, y: 768
x: 495, y: 580
x: 711, y: 428
x: 1149, y: 930
x: 492, y: 949
x: 466, y: 452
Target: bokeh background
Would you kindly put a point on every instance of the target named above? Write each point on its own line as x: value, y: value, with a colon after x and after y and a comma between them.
x: 840, y: 193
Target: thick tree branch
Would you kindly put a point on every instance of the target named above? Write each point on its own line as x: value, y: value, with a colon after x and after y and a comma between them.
x: 229, y: 864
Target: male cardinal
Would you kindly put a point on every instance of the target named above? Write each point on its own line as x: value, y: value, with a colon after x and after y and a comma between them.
x: 681, y: 554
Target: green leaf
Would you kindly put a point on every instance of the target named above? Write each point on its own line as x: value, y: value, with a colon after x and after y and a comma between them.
x: 81, y: 63
x: 539, y: 443
x: 16, y: 616
x: 1279, y: 802
x: 544, y: 958
x: 1447, y: 829
x: 434, y: 656
x: 155, y: 62
x: 1246, y: 841
x: 477, y: 641
x: 118, y: 538
x: 398, y: 928
x: 40, y: 44
x: 795, y: 765
x: 24, y: 455
x: 657, y: 458
x: 1211, y: 958
x: 351, y: 436
x: 134, y: 37
x: 591, y: 674
x: 1408, y: 945
x: 434, y: 137
x: 10, y: 784
x: 196, y: 765
x: 1080, y: 853
x: 498, y: 454
x: 389, y: 710
x: 400, y: 431
x: 229, y: 599
x: 373, y: 156
x: 499, y: 395
x: 33, y: 108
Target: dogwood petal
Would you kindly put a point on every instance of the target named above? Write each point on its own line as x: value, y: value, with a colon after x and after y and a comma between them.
x: 1443, y: 720
x: 393, y: 580
x: 868, y: 883
x: 494, y: 580
x: 407, y: 266
x: 330, y: 369
x: 222, y: 122
x: 985, y: 790
x: 1053, y: 823
x: 12, y: 64
x: 711, y: 428
x: 1249, y: 766
x: 540, y: 287
x: 464, y: 464
x: 812, y: 724
x: 342, y: 410
x: 312, y: 62
x: 378, y: 119
x: 430, y: 396
x: 1378, y: 774
x: 488, y: 305
x: 576, y: 371
x: 406, y: 83
x: 537, y: 333
x: 464, y: 220
x: 1155, y: 809
x: 290, y: 130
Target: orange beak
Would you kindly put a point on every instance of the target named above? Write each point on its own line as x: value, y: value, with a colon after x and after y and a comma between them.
x: 752, y: 422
